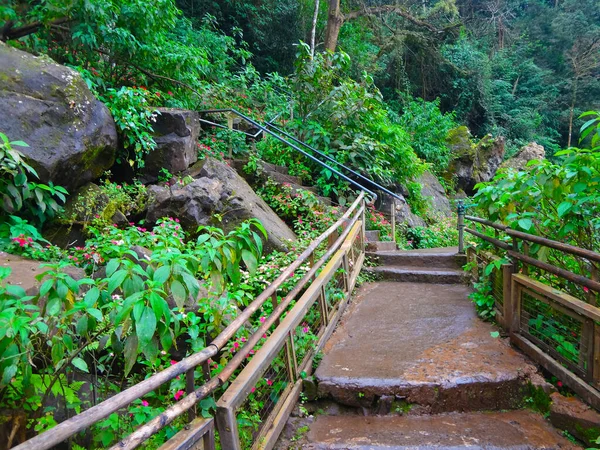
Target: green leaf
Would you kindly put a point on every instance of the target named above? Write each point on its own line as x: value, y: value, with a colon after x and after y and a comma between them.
x: 131, y: 351
x: 494, y: 334
x: 162, y: 274
x: 146, y: 326
x: 80, y: 364
x: 250, y: 261
x: 564, y: 208
x: 526, y: 224
x: 179, y: 293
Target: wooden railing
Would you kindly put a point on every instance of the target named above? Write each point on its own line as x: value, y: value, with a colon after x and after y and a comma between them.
x: 323, y: 290
x: 551, y: 312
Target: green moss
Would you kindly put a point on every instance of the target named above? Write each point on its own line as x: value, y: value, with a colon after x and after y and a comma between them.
x: 537, y: 399
x: 589, y: 435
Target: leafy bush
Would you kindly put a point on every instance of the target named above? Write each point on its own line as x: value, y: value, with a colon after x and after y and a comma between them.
x: 32, y: 200
x: 440, y: 234
x: 428, y: 128
x: 130, y: 107
x: 348, y: 121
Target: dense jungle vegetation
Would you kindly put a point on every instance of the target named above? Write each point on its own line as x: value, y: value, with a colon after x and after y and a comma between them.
x: 377, y: 85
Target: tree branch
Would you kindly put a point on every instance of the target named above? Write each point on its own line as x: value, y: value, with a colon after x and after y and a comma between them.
x: 391, y: 8
x: 8, y: 32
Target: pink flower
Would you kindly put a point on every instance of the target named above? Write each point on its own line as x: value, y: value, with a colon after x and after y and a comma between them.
x: 178, y: 394
x: 177, y: 220
x: 173, y: 362
x: 269, y: 382
x: 262, y: 319
x: 305, y: 329
x: 585, y: 289
x: 559, y: 384
x: 253, y: 390
x: 145, y: 403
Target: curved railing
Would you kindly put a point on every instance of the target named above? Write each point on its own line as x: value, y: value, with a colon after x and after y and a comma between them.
x: 546, y: 296
x: 341, y: 260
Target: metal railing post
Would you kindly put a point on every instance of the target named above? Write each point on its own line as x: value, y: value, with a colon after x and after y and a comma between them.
x: 393, y: 219
x: 461, y: 227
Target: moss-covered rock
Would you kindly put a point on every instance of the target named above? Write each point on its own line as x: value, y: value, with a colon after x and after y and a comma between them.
x: 71, y: 135
x: 473, y: 163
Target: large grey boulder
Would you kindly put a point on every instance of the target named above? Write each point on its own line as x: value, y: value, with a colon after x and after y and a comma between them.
x: 529, y: 152
x: 176, y: 135
x: 71, y: 135
x: 435, y: 193
x: 219, y: 197
x: 402, y: 211
x: 473, y: 163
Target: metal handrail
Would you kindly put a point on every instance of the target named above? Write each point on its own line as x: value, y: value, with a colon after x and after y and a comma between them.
x: 298, y: 149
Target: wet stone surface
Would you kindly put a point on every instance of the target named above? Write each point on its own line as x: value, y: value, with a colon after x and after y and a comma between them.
x: 496, y: 430
x: 422, y: 344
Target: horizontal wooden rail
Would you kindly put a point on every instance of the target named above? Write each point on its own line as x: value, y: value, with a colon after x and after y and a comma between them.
x: 241, y: 387
x: 497, y: 226
x: 491, y: 240
x: 530, y: 304
x: 570, y: 276
x: 84, y: 420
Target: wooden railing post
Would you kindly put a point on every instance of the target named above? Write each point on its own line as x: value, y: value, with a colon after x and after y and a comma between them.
x: 461, y: 227
x: 507, y: 271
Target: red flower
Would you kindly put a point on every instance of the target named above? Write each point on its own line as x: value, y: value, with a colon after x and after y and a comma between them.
x: 170, y: 93
x: 559, y: 384
x: 178, y: 394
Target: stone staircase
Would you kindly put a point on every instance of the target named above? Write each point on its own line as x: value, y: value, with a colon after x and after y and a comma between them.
x: 411, y: 366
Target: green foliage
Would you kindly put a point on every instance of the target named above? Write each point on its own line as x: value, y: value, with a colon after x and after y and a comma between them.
x: 428, y: 128
x: 558, y: 201
x: 130, y: 107
x: 348, y: 121
x: 591, y: 129
x: 33, y: 200
x: 440, y: 234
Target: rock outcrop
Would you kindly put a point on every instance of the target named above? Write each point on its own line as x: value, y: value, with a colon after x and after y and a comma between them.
x: 473, y: 163
x: 24, y: 272
x: 176, y: 135
x: 434, y: 192
x: 218, y: 192
x: 71, y: 136
x: 529, y: 152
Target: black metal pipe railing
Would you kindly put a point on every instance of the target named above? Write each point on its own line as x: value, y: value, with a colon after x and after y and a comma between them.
x: 295, y: 147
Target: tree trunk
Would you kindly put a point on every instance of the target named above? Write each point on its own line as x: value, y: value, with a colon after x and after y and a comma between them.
x: 572, y: 110
x: 335, y: 20
x: 313, y: 31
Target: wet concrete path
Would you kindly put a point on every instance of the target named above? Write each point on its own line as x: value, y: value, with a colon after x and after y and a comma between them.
x: 411, y: 366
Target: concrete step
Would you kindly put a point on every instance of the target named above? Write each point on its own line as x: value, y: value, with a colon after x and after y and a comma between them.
x: 381, y: 246
x: 274, y: 168
x: 372, y: 235
x: 420, y: 347
x: 496, y: 430
x: 433, y: 257
x: 417, y: 274
x: 283, y: 178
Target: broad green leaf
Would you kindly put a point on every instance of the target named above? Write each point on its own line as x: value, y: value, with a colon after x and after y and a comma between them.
x: 179, y: 293
x: 526, y: 224
x: 145, y: 326
x: 250, y: 261
x: 130, y: 353
x: 564, y: 208
x: 80, y: 364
